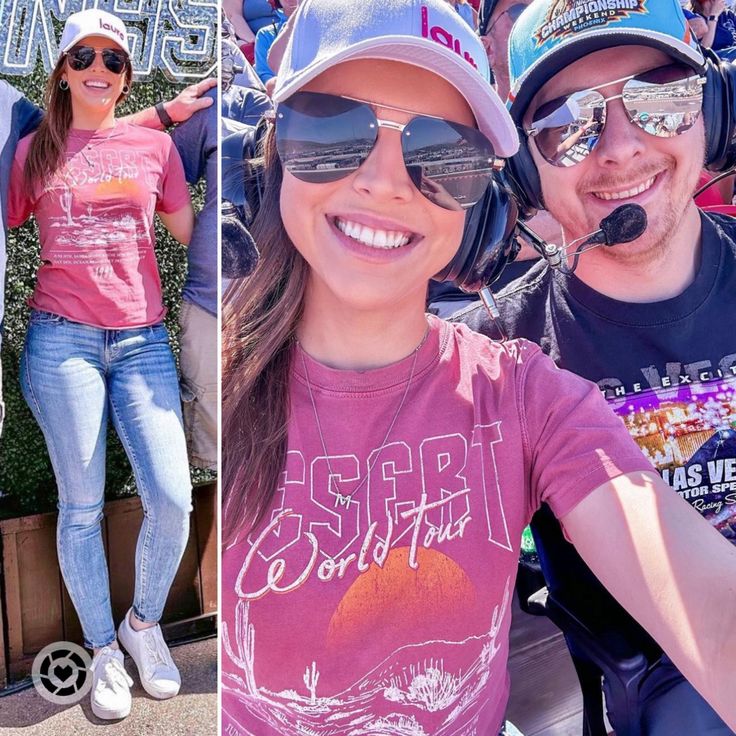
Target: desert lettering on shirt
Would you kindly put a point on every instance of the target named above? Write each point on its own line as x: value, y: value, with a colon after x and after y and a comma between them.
x: 318, y: 533
x: 345, y: 531
x: 683, y: 418
x: 570, y: 16
x: 97, y: 226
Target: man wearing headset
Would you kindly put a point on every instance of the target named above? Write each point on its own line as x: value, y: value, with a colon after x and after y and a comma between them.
x: 651, y: 321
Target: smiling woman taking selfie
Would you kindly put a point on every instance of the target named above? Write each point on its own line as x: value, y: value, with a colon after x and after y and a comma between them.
x: 380, y: 464
x: 96, y: 346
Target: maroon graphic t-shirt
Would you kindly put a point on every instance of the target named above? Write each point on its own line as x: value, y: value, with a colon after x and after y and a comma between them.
x: 375, y: 597
x: 95, y: 219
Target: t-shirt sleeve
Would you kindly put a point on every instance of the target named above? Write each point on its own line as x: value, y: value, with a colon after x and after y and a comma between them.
x: 264, y: 39
x: 174, y: 193
x: 20, y: 200
x: 576, y: 443
x: 28, y: 116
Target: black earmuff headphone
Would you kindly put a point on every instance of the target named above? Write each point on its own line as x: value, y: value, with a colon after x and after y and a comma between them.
x: 719, y: 116
x: 487, y: 244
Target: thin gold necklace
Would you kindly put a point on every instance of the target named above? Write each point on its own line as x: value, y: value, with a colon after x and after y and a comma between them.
x: 89, y: 146
x: 342, y: 499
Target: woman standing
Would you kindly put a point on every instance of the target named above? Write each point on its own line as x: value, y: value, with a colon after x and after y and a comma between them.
x: 380, y: 464
x: 96, y: 346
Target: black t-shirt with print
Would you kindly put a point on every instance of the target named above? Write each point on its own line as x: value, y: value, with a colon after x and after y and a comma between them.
x: 667, y: 368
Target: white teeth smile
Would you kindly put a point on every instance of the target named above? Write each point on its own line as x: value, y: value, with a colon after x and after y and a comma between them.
x: 628, y: 193
x: 96, y: 83
x: 372, y: 237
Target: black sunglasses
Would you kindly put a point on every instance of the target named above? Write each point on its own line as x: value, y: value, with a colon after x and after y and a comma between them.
x: 514, y: 12
x: 663, y: 102
x: 323, y: 138
x: 82, y: 57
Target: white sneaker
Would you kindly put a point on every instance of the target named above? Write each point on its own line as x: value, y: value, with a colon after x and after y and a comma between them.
x: 111, y: 684
x: 159, y: 675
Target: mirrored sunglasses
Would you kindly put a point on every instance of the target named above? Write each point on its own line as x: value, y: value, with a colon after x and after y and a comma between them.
x: 80, y: 58
x: 324, y: 138
x: 663, y: 102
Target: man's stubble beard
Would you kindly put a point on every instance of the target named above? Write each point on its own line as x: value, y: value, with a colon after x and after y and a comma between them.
x: 652, y: 247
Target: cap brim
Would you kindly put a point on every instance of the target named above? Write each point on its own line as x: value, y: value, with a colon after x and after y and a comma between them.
x: 586, y: 43
x: 489, y: 111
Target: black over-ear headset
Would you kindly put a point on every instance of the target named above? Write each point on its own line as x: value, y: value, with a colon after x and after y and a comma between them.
x: 487, y: 244
x: 719, y: 117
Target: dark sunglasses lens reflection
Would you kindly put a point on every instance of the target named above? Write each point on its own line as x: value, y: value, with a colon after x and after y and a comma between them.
x: 82, y: 57
x: 663, y: 102
x: 455, y: 161
x: 324, y: 138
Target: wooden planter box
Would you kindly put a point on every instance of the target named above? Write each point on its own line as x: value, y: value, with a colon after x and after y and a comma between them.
x: 35, y: 608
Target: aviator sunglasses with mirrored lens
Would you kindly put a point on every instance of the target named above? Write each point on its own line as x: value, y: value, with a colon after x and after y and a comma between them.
x: 323, y: 138
x: 82, y: 57
x: 663, y: 102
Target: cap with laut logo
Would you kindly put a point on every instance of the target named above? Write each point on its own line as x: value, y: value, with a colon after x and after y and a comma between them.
x: 93, y: 23
x: 425, y: 33
x: 551, y: 34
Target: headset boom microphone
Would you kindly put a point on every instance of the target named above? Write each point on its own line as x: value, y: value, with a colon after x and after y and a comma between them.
x: 624, y: 224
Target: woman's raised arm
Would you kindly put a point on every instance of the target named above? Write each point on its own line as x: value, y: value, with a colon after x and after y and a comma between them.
x: 671, y: 570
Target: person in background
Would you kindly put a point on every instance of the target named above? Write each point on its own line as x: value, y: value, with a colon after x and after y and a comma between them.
x: 721, y: 31
x: 466, y: 11
x: 265, y: 39
x: 650, y: 321
x: 97, y: 348
x: 698, y: 24
x: 248, y: 17
x: 196, y: 142
x: 244, y: 99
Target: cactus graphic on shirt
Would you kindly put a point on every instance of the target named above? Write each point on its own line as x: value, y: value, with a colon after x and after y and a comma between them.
x: 310, y: 680
x: 245, y: 642
x: 66, y: 205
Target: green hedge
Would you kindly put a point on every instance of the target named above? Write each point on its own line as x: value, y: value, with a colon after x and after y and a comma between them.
x: 26, y: 477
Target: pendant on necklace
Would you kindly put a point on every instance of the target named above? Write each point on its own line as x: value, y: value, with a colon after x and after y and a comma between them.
x: 341, y: 500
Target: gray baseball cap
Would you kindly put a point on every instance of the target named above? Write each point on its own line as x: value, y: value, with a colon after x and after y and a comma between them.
x: 425, y: 33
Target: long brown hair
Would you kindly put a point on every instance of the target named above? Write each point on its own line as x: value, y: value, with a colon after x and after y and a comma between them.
x: 46, y: 153
x: 259, y: 325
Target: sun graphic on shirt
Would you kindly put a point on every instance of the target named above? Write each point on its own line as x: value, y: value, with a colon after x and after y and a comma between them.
x: 117, y: 188
x: 406, y: 605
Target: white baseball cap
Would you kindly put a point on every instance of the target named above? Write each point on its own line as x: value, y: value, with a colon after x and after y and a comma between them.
x: 426, y: 33
x: 93, y: 22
